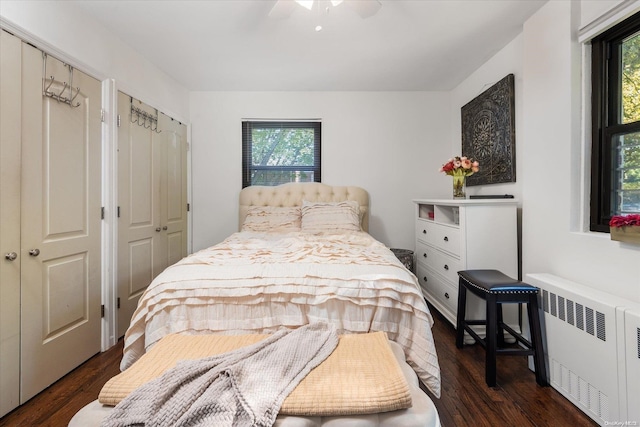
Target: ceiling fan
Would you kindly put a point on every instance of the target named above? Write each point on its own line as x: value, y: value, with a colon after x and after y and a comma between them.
x: 284, y: 8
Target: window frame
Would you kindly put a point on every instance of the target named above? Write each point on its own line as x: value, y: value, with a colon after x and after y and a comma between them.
x: 247, y: 146
x: 605, y: 117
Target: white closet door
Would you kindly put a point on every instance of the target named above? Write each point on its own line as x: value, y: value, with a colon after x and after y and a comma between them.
x: 152, y: 198
x: 174, y: 198
x: 61, y: 236
x: 140, y: 236
x: 10, y: 119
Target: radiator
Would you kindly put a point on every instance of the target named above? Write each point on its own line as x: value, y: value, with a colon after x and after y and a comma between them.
x: 592, y: 344
x: 632, y: 364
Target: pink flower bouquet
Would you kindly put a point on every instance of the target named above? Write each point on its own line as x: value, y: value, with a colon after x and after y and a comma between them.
x: 460, y: 166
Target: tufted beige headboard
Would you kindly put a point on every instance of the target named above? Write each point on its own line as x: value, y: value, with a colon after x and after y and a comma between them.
x: 292, y: 194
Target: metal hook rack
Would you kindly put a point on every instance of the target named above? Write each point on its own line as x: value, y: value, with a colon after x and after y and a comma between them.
x: 149, y: 121
x: 60, y: 97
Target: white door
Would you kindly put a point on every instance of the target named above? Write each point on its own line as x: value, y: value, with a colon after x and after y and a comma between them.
x: 173, y: 212
x: 10, y: 119
x: 152, y: 199
x: 139, y: 227
x: 60, y: 221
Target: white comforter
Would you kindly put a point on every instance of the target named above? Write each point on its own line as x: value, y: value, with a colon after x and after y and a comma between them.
x: 261, y: 282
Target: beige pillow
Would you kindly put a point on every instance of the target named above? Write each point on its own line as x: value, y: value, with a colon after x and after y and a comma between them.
x: 321, y: 217
x: 272, y: 219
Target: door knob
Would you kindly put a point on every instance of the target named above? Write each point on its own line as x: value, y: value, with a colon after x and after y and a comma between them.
x: 158, y: 229
x: 165, y: 227
x: 34, y: 252
x: 11, y: 256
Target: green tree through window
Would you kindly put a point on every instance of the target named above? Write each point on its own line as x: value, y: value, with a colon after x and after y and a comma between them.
x: 279, y: 152
x: 628, y: 147
x: 631, y: 79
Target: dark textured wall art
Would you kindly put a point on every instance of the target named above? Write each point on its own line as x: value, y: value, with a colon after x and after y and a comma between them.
x: 488, y: 133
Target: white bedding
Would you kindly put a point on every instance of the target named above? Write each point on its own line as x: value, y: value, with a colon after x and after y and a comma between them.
x: 261, y: 282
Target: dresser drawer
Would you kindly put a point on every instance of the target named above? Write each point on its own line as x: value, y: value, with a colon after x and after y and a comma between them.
x: 446, y: 265
x: 441, y: 236
x: 440, y: 262
x: 439, y: 288
x: 425, y: 254
x: 423, y: 229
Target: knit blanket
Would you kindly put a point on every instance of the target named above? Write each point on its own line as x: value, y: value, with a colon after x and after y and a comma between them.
x: 245, y: 387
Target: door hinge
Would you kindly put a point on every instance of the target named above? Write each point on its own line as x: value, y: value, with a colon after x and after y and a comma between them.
x: 102, y: 310
x: 102, y: 113
x: 118, y: 120
x: 188, y: 207
x: 102, y: 212
x: 118, y: 303
x: 118, y: 211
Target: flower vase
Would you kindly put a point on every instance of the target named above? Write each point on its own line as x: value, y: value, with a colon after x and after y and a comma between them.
x: 459, y: 187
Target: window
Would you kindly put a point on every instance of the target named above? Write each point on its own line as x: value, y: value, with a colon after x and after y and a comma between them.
x: 275, y: 153
x: 615, y: 103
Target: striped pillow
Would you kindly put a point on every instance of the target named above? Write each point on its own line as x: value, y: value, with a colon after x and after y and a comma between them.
x: 320, y: 217
x: 272, y: 219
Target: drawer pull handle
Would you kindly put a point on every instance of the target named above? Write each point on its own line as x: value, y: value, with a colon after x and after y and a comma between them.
x: 446, y: 295
x: 425, y: 278
x: 446, y: 239
x: 424, y: 231
x: 424, y: 254
x: 446, y: 267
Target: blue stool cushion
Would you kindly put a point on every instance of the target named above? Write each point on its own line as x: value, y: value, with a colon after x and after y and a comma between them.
x: 495, y: 281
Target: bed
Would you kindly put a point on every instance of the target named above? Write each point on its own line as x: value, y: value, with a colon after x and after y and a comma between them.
x: 303, y: 254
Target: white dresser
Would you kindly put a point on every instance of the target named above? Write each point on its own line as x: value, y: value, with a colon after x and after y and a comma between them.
x: 454, y: 235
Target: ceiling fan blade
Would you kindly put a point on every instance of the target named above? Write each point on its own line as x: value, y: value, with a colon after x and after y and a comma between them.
x: 282, y: 9
x: 364, y: 8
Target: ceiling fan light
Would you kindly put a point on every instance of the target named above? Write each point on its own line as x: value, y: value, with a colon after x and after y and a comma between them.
x: 307, y: 4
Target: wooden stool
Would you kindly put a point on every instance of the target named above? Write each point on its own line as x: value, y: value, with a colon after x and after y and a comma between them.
x: 496, y: 289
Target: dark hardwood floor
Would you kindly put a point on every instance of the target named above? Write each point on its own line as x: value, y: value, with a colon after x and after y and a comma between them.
x: 516, y: 400
x: 56, y: 405
x: 466, y: 400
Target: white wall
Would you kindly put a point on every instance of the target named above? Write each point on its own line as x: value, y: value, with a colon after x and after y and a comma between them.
x: 551, y: 152
x: 66, y: 32
x: 593, y: 11
x: 390, y: 143
x: 553, y: 98
x: 506, y: 61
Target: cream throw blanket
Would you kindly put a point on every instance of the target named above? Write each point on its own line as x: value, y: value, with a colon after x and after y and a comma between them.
x: 245, y: 387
